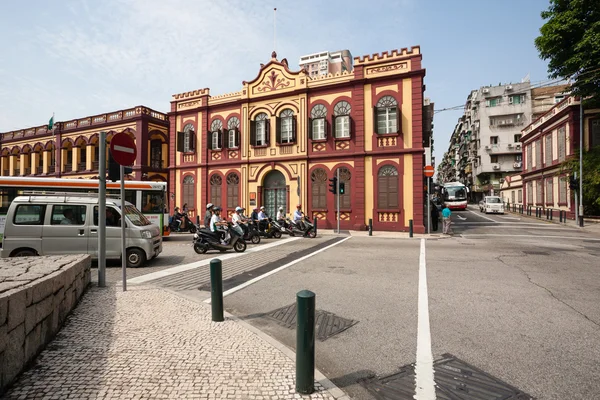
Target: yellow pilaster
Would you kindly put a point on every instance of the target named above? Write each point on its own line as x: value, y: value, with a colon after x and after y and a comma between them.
x: 89, y: 157
x: 368, y: 189
x: 407, y: 188
x: 75, y: 157
x: 407, y: 112
x: 368, y: 119
x: 47, y: 158
x: 12, y: 161
x: 34, y: 157
x: 23, y: 164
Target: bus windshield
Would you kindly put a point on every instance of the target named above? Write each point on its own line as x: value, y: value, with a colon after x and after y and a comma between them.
x: 136, y: 217
x: 456, y: 193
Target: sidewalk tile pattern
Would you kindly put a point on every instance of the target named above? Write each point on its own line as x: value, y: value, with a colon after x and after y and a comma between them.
x: 147, y: 343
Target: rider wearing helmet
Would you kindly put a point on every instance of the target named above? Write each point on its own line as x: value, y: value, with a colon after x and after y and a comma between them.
x: 216, y: 223
x: 208, y: 214
x: 236, y: 220
x: 298, y: 216
x: 263, y: 219
x: 280, y: 215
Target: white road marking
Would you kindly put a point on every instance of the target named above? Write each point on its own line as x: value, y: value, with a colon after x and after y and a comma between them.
x: 482, y: 216
x: 532, y: 236
x: 460, y: 217
x: 201, y: 263
x: 424, y: 380
x: 263, y: 276
x: 511, y: 218
x: 124, y: 149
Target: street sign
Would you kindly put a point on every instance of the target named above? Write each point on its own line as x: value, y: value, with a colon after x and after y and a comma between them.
x: 123, y: 149
x: 429, y: 171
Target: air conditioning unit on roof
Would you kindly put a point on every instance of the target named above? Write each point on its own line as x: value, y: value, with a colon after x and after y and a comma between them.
x: 486, y: 90
x: 509, y: 87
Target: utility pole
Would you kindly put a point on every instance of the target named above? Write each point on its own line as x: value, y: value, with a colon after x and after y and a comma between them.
x: 580, y: 221
x: 338, y: 200
x: 102, y: 211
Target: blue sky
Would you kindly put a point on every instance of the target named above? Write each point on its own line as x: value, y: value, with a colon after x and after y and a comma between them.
x: 84, y: 57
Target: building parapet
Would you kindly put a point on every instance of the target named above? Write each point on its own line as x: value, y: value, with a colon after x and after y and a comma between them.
x: 569, y: 101
x: 404, y: 52
x: 100, y: 119
x: 191, y: 95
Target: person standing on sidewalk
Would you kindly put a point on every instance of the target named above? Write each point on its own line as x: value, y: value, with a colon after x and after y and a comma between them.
x: 446, y: 213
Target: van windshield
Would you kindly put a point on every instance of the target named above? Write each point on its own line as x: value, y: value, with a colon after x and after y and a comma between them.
x: 493, y: 200
x: 136, y: 217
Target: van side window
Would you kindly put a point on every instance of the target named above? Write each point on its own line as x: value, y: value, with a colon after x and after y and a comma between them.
x: 29, y: 214
x: 113, y: 218
x: 68, y: 214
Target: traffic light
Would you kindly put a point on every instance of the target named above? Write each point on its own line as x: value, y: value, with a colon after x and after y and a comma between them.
x: 342, y: 187
x: 114, y: 169
x: 333, y: 185
x: 573, y: 183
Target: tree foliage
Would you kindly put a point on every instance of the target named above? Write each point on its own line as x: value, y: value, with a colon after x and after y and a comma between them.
x: 591, y: 178
x: 570, y: 42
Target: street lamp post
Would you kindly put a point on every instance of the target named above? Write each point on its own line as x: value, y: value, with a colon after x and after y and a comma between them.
x: 581, y: 161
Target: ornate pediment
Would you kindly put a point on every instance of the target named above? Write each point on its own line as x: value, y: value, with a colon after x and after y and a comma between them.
x: 274, y: 76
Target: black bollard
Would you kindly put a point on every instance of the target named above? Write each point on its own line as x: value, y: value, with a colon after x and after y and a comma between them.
x: 316, y: 223
x: 197, y: 220
x: 305, y: 342
x: 370, y: 226
x: 216, y: 290
x: 551, y: 214
x: 410, y: 228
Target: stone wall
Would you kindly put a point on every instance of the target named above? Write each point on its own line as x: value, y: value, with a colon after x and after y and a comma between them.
x: 36, y: 295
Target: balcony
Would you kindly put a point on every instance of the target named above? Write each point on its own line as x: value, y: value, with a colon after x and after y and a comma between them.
x: 51, y: 169
x: 156, y: 164
x: 68, y: 168
x: 95, y: 165
x: 27, y: 171
x: 509, y: 148
x: 37, y: 170
x: 5, y: 172
x: 81, y: 166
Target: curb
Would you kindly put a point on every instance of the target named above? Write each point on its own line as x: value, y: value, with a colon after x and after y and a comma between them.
x: 329, y: 386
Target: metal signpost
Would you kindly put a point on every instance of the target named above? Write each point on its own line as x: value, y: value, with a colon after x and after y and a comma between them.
x: 124, y: 151
x: 102, y: 211
x: 429, y: 171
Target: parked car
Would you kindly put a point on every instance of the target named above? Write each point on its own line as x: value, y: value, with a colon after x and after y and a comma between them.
x: 68, y: 224
x: 491, y: 204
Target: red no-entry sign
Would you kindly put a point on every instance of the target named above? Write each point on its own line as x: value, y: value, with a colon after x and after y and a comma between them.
x: 122, y: 148
x: 429, y: 170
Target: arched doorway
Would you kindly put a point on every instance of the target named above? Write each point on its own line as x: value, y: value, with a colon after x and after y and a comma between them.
x: 274, y: 193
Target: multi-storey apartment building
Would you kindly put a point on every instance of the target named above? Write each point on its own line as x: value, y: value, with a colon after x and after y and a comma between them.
x: 326, y: 62
x: 279, y: 140
x: 70, y: 149
x: 487, y: 146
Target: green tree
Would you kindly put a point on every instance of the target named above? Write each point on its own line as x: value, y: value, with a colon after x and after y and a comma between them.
x: 570, y: 42
x: 591, y: 178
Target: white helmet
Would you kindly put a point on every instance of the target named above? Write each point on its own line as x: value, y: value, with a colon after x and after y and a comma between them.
x: 238, y: 208
x: 209, y: 206
x: 280, y: 208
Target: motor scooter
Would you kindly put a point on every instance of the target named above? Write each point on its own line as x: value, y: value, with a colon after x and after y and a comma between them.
x: 269, y: 231
x: 205, y: 240
x: 251, y: 234
x: 186, y: 225
x: 308, y: 231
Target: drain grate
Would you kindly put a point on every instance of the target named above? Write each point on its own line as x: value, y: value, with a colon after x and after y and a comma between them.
x: 454, y: 378
x: 326, y: 324
x: 536, y: 253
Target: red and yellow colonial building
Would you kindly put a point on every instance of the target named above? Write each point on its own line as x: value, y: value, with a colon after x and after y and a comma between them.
x: 70, y: 149
x: 279, y: 140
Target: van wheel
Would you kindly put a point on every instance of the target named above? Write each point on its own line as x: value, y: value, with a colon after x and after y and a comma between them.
x: 24, y: 253
x: 135, y: 258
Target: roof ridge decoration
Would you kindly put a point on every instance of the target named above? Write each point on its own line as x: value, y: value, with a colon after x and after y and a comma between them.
x: 192, y: 94
x: 403, y: 52
x: 226, y: 95
x: 273, y: 76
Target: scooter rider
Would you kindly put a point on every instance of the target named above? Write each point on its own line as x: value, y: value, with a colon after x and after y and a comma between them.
x: 280, y: 216
x: 216, y: 223
x: 208, y: 215
x: 298, y: 217
x: 263, y: 219
x: 236, y: 220
x: 178, y: 218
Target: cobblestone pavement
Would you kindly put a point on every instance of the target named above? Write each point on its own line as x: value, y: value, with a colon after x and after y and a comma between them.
x: 147, y: 343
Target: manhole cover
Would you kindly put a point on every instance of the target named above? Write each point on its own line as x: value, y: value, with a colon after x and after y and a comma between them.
x: 326, y: 324
x: 536, y: 253
x: 454, y: 379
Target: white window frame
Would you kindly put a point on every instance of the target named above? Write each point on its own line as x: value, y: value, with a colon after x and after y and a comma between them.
x: 318, y: 129
x: 390, y: 123
x: 231, y: 139
x: 286, y: 129
x: 342, y: 126
x: 215, y: 140
x: 261, y: 132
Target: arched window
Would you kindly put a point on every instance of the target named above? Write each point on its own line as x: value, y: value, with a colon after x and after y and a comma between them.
x: 186, y: 139
x: 345, y: 198
x: 215, y: 189
x: 387, y: 115
x: 233, y: 133
x: 341, y: 118
x: 387, y: 187
x: 286, y: 127
x: 319, y: 189
x: 216, y: 129
x: 259, y: 130
x: 318, y: 116
x: 233, y: 184
x: 189, y: 191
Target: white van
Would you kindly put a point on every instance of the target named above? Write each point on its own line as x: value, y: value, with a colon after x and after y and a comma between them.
x: 68, y: 224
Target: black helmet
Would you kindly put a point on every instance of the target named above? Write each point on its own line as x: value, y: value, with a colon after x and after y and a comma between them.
x: 216, y: 208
